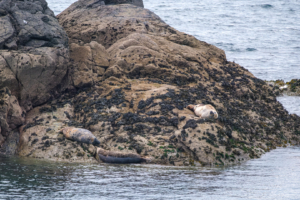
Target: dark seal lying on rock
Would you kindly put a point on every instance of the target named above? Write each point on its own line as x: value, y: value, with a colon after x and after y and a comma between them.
x: 80, y: 135
x: 120, y: 157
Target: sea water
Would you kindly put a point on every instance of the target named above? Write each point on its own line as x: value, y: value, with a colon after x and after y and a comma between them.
x: 262, y: 36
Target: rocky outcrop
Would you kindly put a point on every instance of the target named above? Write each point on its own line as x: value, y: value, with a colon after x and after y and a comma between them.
x: 29, y: 24
x: 291, y: 88
x: 133, y: 2
x: 33, y: 75
x: 34, y: 58
x: 41, y: 138
x: 132, y: 78
x: 37, y: 61
x: 142, y: 74
x: 11, y: 117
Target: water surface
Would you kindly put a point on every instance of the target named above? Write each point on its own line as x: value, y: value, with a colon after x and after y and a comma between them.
x: 276, y: 175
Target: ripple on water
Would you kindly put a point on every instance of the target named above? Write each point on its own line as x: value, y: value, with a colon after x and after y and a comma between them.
x: 291, y: 104
x: 274, y: 175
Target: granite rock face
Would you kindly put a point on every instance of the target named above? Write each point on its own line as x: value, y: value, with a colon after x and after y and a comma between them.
x: 34, y: 59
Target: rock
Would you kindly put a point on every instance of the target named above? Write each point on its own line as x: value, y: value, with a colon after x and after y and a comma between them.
x: 91, y: 62
x: 33, y: 51
x: 141, y: 74
x: 29, y: 23
x: 32, y: 75
x: 133, y: 2
x: 7, y: 30
x: 34, y: 60
x: 11, y: 117
x: 291, y: 88
x: 41, y: 138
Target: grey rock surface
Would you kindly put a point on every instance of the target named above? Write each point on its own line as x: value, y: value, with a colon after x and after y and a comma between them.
x: 34, y: 59
x: 11, y: 116
x: 29, y: 23
x: 134, y: 2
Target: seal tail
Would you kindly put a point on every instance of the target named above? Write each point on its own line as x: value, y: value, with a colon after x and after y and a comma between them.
x: 96, y: 142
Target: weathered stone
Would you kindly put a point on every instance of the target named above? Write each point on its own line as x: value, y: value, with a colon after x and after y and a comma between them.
x: 34, y: 59
x: 91, y: 62
x: 134, y: 2
x: 32, y: 75
x: 11, y: 117
x: 134, y: 77
x: 29, y: 23
x: 40, y: 137
x: 6, y: 31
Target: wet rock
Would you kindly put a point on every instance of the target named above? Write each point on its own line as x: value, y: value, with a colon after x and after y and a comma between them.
x: 134, y: 2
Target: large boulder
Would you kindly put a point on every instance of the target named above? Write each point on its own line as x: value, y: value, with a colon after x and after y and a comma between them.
x: 30, y: 24
x: 34, y: 59
x: 33, y: 51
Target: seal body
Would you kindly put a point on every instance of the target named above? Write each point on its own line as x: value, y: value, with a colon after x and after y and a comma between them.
x: 204, y: 111
x: 80, y: 135
x: 119, y: 157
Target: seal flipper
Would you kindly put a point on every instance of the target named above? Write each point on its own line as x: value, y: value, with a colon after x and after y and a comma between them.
x: 96, y: 142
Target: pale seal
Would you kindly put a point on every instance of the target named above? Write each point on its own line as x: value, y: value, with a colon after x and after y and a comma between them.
x: 204, y: 111
x: 120, y: 157
x: 80, y: 135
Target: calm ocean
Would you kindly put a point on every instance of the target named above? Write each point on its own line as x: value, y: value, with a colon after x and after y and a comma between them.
x: 262, y: 36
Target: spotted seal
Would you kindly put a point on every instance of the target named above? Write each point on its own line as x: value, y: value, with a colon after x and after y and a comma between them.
x: 80, y: 135
x: 204, y: 111
x: 120, y: 157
